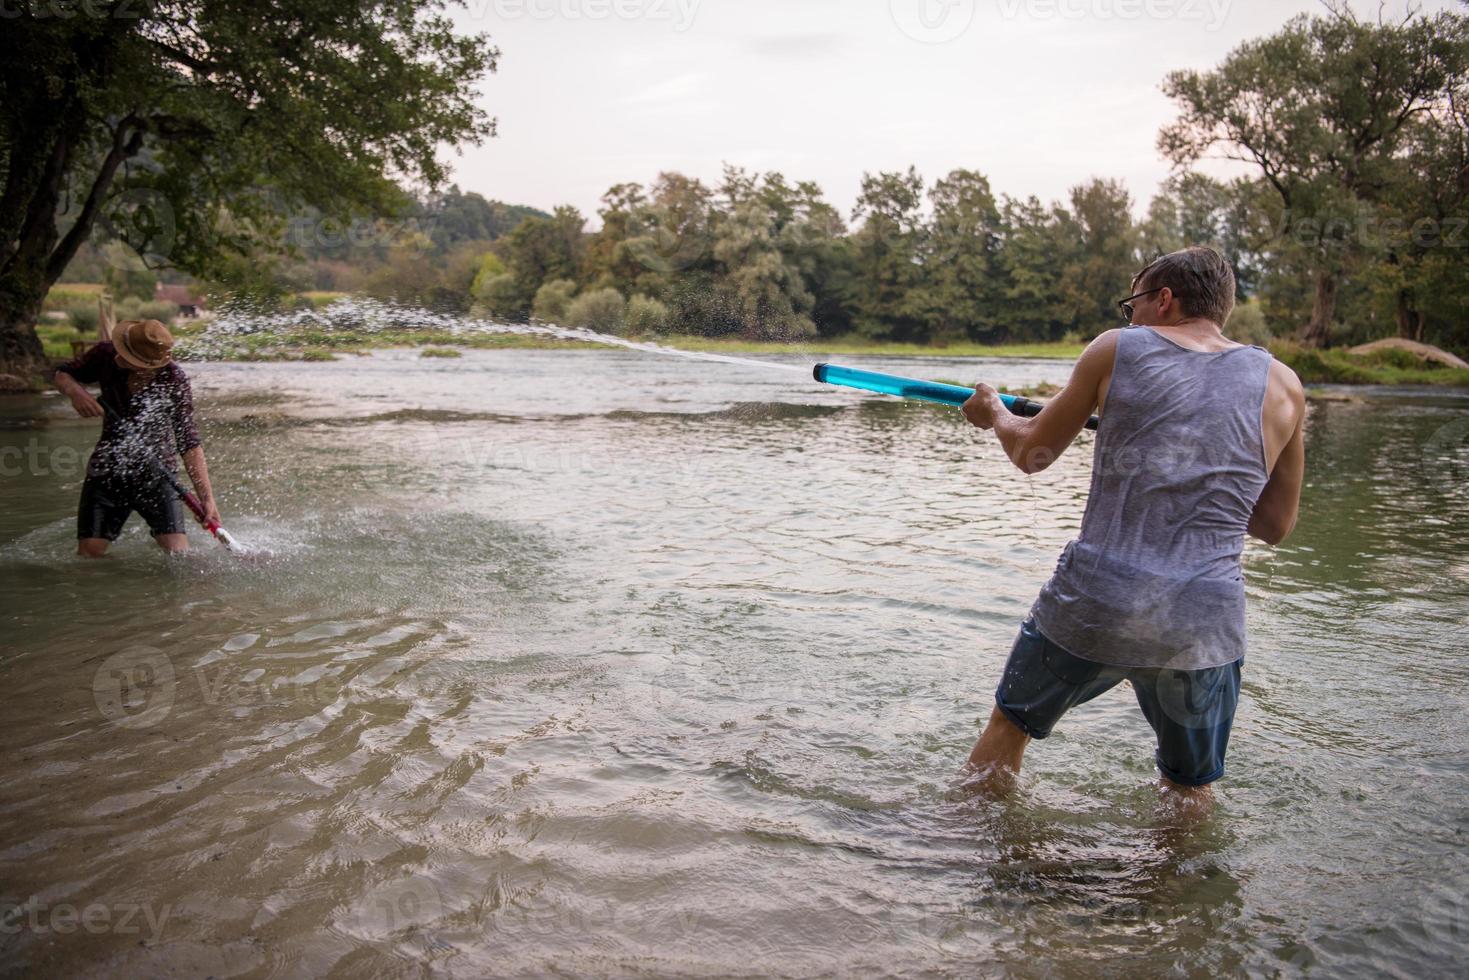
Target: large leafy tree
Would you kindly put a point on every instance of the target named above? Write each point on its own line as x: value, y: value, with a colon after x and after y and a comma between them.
x: 189, y: 127
x: 1195, y: 209
x: 1105, y: 254
x: 758, y: 243
x: 1423, y: 231
x: 1323, y: 109
x: 888, y: 250
x: 961, y: 296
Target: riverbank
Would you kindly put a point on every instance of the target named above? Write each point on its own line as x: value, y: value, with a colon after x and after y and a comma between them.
x: 315, y: 343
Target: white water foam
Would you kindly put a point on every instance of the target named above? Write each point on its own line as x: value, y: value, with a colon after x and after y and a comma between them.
x: 357, y: 315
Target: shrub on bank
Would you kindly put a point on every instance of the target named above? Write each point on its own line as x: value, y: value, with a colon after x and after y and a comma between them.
x: 553, y: 300
x: 645, y: 315
x: 1247, y: 326
x: 600, y: 310
x: 83, y: 315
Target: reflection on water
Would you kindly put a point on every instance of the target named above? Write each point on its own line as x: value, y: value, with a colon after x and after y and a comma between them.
x: 593, y: 663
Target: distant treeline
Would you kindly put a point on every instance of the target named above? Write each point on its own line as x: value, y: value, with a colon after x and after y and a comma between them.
x: 1352, y: 224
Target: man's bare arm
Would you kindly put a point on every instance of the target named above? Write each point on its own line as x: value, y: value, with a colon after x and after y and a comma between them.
x: 199, y: 474
x: 81, y: 400
x: 1275, y: 513
x: 1033, y: 444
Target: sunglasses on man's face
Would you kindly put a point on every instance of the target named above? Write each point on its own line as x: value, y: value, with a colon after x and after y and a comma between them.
x: 1126, y: 304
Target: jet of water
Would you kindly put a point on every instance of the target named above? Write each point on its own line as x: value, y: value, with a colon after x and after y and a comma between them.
x: 224, y: 335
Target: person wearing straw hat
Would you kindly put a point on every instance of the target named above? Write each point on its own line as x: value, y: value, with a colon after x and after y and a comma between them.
x: 152, y: 420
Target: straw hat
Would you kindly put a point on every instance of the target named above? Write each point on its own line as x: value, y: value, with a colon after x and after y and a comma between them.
x: 143, y: 344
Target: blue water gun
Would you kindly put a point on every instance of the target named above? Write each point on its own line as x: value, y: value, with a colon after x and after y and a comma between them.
x: 926, y: 391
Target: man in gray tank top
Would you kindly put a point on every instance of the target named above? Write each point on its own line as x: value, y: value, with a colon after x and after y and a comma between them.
x: 1200, y: 443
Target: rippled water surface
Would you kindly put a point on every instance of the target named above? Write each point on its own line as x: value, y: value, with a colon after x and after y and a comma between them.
x: 601, y: 663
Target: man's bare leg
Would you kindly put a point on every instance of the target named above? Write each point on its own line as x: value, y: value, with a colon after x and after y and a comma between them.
x: 174, y: 544
x: 92, y: 547
x: 995, y: 759
x: 1188, y: 804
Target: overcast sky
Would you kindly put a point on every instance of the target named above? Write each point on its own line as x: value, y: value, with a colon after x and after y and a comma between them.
x: 1037, y: 94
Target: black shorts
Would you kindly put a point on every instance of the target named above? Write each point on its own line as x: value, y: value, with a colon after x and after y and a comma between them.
x: 106, y: 505
x: 1191, y: 711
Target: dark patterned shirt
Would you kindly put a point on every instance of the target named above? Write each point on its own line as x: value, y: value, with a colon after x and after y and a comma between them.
x: 156, y: 422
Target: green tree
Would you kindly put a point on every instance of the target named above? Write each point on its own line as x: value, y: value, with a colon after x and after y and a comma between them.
x: 1422, y: 231
x: 537, y: 251
x: 1105, y: 255
x: 159, y: 118
x: 1322, y: 108
x: 1039, y: 243
x: 759, y: 244
x: 810, y: 234
x: 888, y: 249
x: 962, y: 293
x: 608, y: 260
x: 1195, y: 209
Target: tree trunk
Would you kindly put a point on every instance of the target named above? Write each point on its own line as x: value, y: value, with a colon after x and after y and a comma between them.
x: 1410, y: 321
x: 1317, y: 333
x: 23, y: 363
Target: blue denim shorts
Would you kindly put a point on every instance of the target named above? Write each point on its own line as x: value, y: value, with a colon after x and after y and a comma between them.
x: 1191, y: 711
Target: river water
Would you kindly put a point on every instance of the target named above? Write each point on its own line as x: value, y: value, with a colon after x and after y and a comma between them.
x: 604, y: 663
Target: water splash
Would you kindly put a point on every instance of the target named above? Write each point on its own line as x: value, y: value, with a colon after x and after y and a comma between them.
x: 230, y: 334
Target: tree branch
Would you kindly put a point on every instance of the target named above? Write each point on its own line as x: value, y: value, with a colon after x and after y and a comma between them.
x: 123, y: 147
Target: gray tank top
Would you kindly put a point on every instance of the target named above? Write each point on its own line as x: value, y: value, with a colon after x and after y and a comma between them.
x: 1154, y: 579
